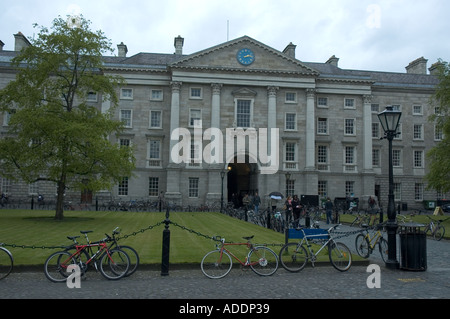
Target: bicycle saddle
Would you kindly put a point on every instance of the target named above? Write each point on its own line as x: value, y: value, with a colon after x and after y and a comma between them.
x: 248, y: 238
x: 72, y: 237
x: 86, y: 231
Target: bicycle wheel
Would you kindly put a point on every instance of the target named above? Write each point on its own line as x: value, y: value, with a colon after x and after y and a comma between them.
x: 134, y: 259
x: 362, y: 246
x: 383, y: 245
x: 55, y: 267
x: 439, y: 232
x: 216, y: 264
x: 293, y: 257
x: 263, y: 261
x: 6, y: 263
x: 114, y: 264
x: 340, y: 256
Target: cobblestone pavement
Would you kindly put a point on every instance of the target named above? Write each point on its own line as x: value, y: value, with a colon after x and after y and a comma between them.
x: 183, y: 284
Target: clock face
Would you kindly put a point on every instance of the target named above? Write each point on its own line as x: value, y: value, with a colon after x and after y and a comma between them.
x: 245, y: 56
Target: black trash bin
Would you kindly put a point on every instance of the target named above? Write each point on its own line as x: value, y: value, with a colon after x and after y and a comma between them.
x: 413, y: 247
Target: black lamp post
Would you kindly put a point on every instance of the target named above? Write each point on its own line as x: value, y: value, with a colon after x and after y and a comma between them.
x: 222, y: 176
x: 389, y: 120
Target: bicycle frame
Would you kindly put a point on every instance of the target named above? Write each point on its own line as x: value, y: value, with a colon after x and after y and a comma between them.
x: 326, y: 242
x: 249, y: 246
x: 375, y: 237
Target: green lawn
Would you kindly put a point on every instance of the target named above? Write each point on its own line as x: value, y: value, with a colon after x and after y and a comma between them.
x: 38, y: 228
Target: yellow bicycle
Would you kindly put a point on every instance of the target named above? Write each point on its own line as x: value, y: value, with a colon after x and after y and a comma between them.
x: 365, y: 242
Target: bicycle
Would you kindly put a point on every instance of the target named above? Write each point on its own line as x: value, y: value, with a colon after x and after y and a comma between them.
x: 360, y: 219
x: 113, y: 264
x: 365, y: 244
x: 435, y: 228
x: 294, y: 256
x: 131, y: 252
x: 6, y: 262
x: 218, y: 263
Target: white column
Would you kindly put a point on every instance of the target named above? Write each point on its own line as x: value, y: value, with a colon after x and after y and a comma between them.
x: 310, y: 129
x: 271, y: 107
x: 367, y: 132
x: 215, y: 105
x: 174, y: 113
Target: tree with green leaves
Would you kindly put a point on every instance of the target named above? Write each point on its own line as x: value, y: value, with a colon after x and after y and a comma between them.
x: 54, y: 133
x: 439, y: 175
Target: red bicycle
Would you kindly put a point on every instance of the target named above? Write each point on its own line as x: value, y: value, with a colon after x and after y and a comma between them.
x: 218, y: 263
x: 113, y: 264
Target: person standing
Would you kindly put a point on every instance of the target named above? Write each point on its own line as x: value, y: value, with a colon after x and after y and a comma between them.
x: 329, y: 210
x: 296, y: 209
x: 256, y: 202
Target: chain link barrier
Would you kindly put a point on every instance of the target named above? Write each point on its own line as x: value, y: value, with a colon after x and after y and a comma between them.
x: 135, y: 233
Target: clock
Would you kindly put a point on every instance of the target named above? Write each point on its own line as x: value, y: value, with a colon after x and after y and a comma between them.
x: 245, y: 56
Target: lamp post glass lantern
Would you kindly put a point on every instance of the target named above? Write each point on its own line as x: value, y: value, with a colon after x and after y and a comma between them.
x: 390, y: 120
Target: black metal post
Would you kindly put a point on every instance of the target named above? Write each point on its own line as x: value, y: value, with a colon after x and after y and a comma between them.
x: 222, y: 175
x: 165, y: 246
x: 391, y: 225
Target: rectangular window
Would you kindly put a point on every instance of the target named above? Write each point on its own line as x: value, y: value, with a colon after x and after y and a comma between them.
x: 243, y: 113
x: 91, y: 97
x: 418, y: 192
x: 154, y: 153
x: 290, y: 187
x: 290, y: 152
x: 418, y: 159
x: 396, y: 158
x: 349, y: 188
x: 322, y: 102
x: 193, y: 186
x: 438, y: 133
x: 126, y: 94
x: 126, y: 118
x: 156, y: 95
x: 375, y: 108
x: 397, y: 191
x: 155, y: 119
x: 291, y: 97
x: 195, y: 115
x: 376, y: 157
x: 291, y: 123
x: 417, y: 109
x: 375, y: 130
x: 349, y: 159
x: 124, y: 142
x: 322, y: 158
x: 322, y: 188
x: 322, y: 126
x: 418, y: 132
x: 123, y: 186
x: 153, y: 186
x: 349, y: 127
x: 195, y: 93
x: 349, y: 103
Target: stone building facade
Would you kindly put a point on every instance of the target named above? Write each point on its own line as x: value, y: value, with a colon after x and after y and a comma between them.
x: 328, y: 141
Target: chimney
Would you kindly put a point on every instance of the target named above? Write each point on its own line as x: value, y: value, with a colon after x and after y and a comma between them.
x: 333, y: 60
x: 21, y: 42
x: 435, y: 68
x: 290, y: 50
x: 178, y: 43
x: 122, y: 48
x: 1, y: 45
x: 418, y: 66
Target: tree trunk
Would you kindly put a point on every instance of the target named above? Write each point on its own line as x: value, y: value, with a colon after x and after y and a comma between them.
x: 59, y: 214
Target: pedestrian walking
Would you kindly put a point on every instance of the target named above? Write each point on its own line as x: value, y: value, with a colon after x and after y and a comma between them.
x: 329, y: 210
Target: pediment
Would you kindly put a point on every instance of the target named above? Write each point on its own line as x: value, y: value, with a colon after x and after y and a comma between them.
x: 224, y: 57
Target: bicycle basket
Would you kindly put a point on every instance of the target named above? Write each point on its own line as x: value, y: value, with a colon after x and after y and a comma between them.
x: 310, y: 233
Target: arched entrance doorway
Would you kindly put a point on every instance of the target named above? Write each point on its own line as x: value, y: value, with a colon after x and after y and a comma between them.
x: 242, y: 178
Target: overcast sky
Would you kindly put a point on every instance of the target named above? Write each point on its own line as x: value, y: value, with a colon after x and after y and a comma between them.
x: 376, y: 35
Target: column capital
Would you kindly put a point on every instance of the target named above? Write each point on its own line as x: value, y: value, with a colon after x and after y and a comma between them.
x: 216, y: 88
x: 310, y: 93
x: 176, y: 86
x: 272, y: 91
x: 367, y: 98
